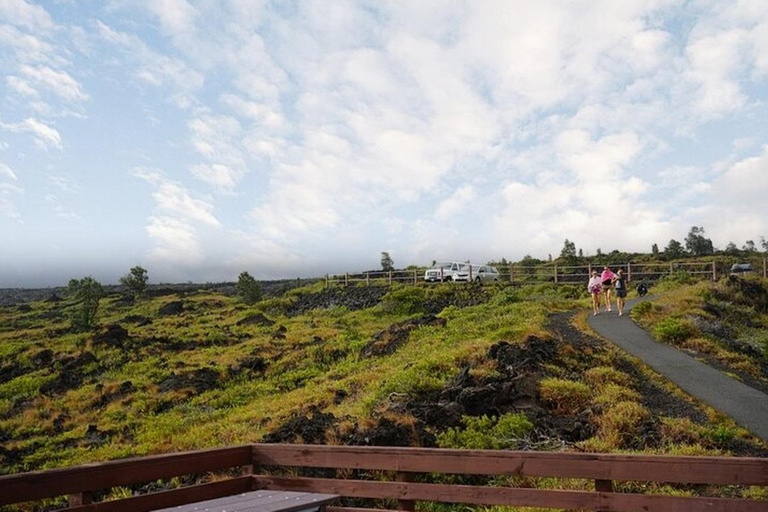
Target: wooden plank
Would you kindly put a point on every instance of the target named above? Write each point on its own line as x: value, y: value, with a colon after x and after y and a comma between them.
x: 332, y: 508
x: 90, y: 477
x: 263, y: 501
x: 474, y: 495
x: 176, y: 497
x: 596, y: 466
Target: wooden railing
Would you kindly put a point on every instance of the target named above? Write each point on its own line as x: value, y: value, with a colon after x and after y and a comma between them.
x: 403, y: 476
x: 559, y: 274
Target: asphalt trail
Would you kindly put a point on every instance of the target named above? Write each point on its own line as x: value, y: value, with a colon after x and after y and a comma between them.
x: 746, y: 405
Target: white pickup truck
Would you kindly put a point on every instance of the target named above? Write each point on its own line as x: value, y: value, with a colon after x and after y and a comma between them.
x: 447, y: 271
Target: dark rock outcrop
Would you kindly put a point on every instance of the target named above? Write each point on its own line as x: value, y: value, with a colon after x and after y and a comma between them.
x: 390, y: 339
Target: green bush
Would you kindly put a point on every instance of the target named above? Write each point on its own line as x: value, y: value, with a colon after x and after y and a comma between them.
x: 673, y: 330
x: 487, y: 433
x: 406, y: 300
x: 642, y: 309
x: 568, y: 396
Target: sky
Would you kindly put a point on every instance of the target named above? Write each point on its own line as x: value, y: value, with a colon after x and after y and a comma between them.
x: 200, y: 139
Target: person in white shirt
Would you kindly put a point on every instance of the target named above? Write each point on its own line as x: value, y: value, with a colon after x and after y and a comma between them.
x: 595, y: 287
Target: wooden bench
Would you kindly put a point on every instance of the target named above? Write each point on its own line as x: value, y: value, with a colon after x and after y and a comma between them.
x: 261, y: 501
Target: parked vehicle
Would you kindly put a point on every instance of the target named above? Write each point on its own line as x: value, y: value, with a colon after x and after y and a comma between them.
x: 447, y: 271
x: 485, y: 274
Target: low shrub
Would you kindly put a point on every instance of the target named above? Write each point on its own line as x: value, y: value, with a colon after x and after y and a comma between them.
x: 567, y: 396
x: 673, y: 330
x: 620, y: 423
x: 613, y: 393
x: 406, y: 300
x: 602, y: 375
x: 487, y: 433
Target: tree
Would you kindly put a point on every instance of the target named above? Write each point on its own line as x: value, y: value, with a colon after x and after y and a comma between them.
x: 248, y: 289
x: 135, y: 282
x: 581, y: 253
x: 87, y: 293
x: 569, y: 249
x: 697, y: 244
x: 673, y: 250
x: 749, y: 246
x: 731, y: 249
x: 764, y: 243
x: 386, y: 262
x: 655, y: 250
x: 599, y: 252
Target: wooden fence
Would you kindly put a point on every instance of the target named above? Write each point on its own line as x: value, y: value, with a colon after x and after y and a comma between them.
x: 558, y: 274
x: 399, y: 477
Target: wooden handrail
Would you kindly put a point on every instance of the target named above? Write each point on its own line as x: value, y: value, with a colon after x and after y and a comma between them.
x: 604, y: 469
x: 597, y: 466
x: 91, y: 477
x: 477, y: 495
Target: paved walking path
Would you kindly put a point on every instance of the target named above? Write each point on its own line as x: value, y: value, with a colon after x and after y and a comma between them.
x: 746, y: 405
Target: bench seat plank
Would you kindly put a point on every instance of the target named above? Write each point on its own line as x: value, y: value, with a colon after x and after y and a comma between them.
x: 259, y: 501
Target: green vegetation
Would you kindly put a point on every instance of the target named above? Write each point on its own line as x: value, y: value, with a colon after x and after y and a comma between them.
x: 248, y: 289
x: 87, y: 293
x: 215, y: 370
x: 726, y: 321
x: 135, y: 281
x: 487, y: 433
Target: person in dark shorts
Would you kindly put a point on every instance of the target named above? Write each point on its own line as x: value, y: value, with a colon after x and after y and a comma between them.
x: 620, y: 285
x: 606, y: 277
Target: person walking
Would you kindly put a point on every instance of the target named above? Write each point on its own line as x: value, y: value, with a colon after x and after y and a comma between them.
x: 595, y: 288
x: 620, y: 284
x: 606, y: 279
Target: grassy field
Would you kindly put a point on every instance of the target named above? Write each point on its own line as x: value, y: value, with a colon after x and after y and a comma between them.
x: 299, y: 367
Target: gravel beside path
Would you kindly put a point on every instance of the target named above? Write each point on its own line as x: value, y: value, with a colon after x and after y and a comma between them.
x: 746, y: 405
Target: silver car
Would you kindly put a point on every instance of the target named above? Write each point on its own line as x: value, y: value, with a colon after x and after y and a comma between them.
x: 485, y: 274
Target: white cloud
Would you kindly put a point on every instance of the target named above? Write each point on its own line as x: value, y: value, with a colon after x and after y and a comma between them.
x: 45, y: 136
x: 153, y: 68
x: 57, y: 82
x: 456, y: 203
x: 7, y: 172
x: 175, y: 241
x: 7, y: 193
x: 173, y: 198
x: 22, y: 13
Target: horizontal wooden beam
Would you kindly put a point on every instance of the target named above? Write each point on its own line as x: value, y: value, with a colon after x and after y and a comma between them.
x: 475, y: 495
x: 173, y: 498
x: 597, y: 466
x: 91, y: 477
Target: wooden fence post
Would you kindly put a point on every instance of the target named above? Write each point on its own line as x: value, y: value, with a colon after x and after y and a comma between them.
x: 346, y: 279
x: 367, y: 279
x: 511, y: 274
x: 409, y: 505
x: 714, y: 271
x: 327, y: 281
x: 415, y: 279
x: 390, y: 278
x: 629, y: 272
x: 603, y: 486
x: 555, y: 274
x: 81, y: 498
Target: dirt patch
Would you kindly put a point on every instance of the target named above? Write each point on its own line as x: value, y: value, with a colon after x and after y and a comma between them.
x: 200, y: 380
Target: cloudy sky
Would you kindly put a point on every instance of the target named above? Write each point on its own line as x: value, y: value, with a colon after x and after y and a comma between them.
x: 203, y: 138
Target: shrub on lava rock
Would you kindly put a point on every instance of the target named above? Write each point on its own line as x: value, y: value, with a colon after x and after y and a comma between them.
x: 567, y: 396
x: 487, y: 433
